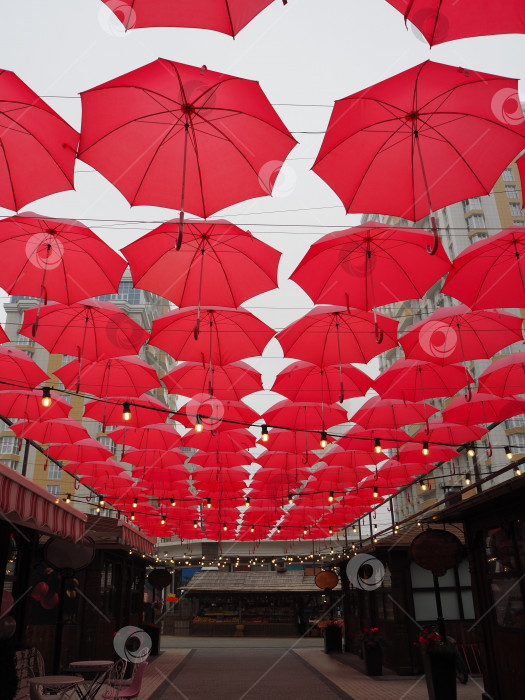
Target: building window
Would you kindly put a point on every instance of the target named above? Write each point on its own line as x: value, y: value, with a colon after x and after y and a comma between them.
x: 54, y: 472
x: 476, y: 221
x: 10, y: 463
x: 126, y: 292
x: 508, y: 175
x: 517, y: 441
x: 456, y: 593
x: 54, y: 489
x: 516, y: 422
x: 22, y: 340
x: 519, y: 222
x: 472, y: 203
x: 515, y: 209
x: 8, y: 445
x: 108, y: 443
x: 478, y: 236
x: 512, y: 192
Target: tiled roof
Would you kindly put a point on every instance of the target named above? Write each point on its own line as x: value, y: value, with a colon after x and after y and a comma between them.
x: 253, y: 581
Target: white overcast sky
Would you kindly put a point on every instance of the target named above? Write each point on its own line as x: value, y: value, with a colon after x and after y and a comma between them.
x: 308, y: 53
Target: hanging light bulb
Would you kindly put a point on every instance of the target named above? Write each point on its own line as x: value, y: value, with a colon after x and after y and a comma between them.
x: 135, y: 502
x: 199, y: 427
x: 278, y: 528
x: 208, y: 503
x: 162, y: 520
x: 324, y: 440
x: 98, y: 510
x: 290, y: 498
x: 376, y: 492
x: 101, y: 501
x: 330, y: 531
x: 508, y: 452
x: 46, y: 396
x: 354, y: 529
x: 172, y: 501
x: 467, y: 479
x: 247, y: 503
x: 377, y: 446
x: 425, y: 449
x: 195, y: 524
x: 423, y: 486
x: 471, y: 451
x: 68, y: 498
x: 305, y: 530
x: 132, y: 517
x: 252, y: 529
x: 517, y: 470
x: 224, y: 527
x: 264, y: 433
x: 126, y: 410
x: 331, y: 497
x: 375, y: 526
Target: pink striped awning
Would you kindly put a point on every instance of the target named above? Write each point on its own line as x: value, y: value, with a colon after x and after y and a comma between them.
x: 136, y: 539
x: 23, y: 502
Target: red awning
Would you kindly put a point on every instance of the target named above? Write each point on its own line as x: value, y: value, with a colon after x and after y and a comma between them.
x: 24, y: 503
x: 136, y: 539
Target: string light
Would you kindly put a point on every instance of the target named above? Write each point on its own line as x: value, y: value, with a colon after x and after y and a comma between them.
x: 330, y: 531
x: 290, y: 498
x: 471, y: 451
x: 377, y: 446
x: 135, y: 502
x: 424, y: 486
x: 199, y: 427
x: 101, y: 501
x: 517, y: 470
x: 195, y: 524
x: 354, y: 529
x: 208, y: 503
x: 305, y: 530
x: 172, y: 501
x: 324, y: 439
x: 126, y: 410
x: 46, y: 396
x: 162, y: 520
x: 224, y: 527
x: 247, y: 503
x: 68, y: 498
x: 331, y: 497
x: 132, y: 516
x: 376, y: 492
x: 467, y: 479
x: 252, y: 529
x: 508, y: 452
x: 425, y: 449
x: 264, y: 433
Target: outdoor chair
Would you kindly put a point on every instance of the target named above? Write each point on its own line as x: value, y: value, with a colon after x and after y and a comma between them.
x: 29, y: 663
x: 133, y: 689
x: 123, y: 682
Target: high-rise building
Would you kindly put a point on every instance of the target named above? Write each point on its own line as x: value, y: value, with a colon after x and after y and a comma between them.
x: 460, y: 225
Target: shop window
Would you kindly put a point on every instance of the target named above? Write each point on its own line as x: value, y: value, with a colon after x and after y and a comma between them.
x: 455, y: 589
x: 505, y: 556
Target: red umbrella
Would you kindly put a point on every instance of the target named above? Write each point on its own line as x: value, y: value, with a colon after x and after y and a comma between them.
x: 370, y: 265
x: 38, y: 146
x: 305, y: 416
x: 24, y: 403
x: 57, y: 259
x: 226, y: 16
x: 18, y: 370
x: 482, y: 408
x: 446, y: 20
x: 154, y: 436
x: 336, y: 478
x: 341, y: 457
x: 218, y: 264
x: 445, y: 433
x: 107, y: 485
x: 418, y: 141
x: 334, y: 335
x: 232, y: 382
x: 286, y: 462
x: 176, y: 136
x: 48, y: 431
x: 504, y: 377
x: 230, y: 441
x: 415, y: 380
x: 304, y: 381
x: 371, y: 440
x: 226, y: 335
x: 283, y: 440
x: 165, y: 476
x: 412, y: 453
x: 392, y: 413
x: 109, y: 467
x: 215, y: 460
x: 91, y: 329
x: 144, y: 410
x: 151, y: 457
x: 216, y: 415
x: 84, y: 450
x: 490, y: 274
x: 456, y: 334
x: 115, y: 376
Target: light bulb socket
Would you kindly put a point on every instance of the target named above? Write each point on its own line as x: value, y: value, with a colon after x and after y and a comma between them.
x: 172, y: 501
x: 126, y: 410
x: 425, y: 449
x: 68, y: 498
x: 135, y: 502
x: 508, y: 452
x: 377, y: 446
x: 467, y: 479
x: 247, y: 503
x: 264, y: 433
x: 46, y: 396
x: 208, y: 503
x: 331, y: 497
x: 471, y: 451
x: 199, y: 427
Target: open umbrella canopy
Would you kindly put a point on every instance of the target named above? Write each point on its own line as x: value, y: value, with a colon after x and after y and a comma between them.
x: 416, y: 380
x: 215, y: 415
x: 216, y: 460
x: 25, y: 403
x: 283, y: 440
x: 387, y: 146
x: 218, y: 263
x: 152, y: 457
x: 115, y: 376
x: 373, y: 440
x: 370, y: 265
x: 338, y: 456
x: 455, y: 334
x: 226, y: 16
x: 230, y: 441
x: 18, y: 370
x: 84, y: 450
x: 38, y: 146
x: 482, y: 408
x: 413, y: 453
x: 333, y: 335
x: 108, y: 467
x: 153, y: 436
x: 58, y: 259
x: 226, y: 335
x: 91, y: 329
x: 446, y: 20
x: 232, y: 381
x: 177, y: 136
x: 305, y: 416
x: 48, y: 431
x: 304, y: 381
x: 490, y: 273
x: 440, y: 431
x: 143, y: 410
x: 392, y: 413
x: 504, y: 377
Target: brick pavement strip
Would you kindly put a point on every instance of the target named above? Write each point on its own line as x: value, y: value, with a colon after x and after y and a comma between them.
x: 159, y: 669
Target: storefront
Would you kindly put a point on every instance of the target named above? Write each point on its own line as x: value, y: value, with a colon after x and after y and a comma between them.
x: 265, y: 604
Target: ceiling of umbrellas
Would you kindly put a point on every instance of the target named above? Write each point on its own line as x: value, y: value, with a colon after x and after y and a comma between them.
x: 189, y: 139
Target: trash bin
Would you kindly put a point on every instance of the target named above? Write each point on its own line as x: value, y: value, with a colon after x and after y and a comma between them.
x: 154, y: 633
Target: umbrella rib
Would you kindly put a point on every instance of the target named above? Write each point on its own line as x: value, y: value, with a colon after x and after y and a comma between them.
x: 9, y: 174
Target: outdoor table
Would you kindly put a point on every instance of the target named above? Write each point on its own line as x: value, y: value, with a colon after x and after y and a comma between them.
x: 99, y: 669
x: 56, y: 682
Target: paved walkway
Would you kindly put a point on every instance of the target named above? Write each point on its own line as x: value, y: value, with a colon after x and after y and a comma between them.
x: 192, y: 668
